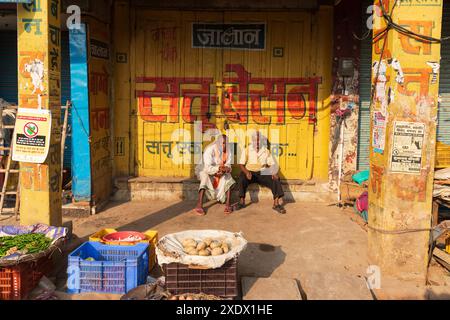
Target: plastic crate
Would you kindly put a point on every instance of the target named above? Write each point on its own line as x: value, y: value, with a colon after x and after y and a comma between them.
x: 152, y: 241
x: 97, y: 237
x: 17, y: 282
x: 116, y: 269
x: 222, y: 282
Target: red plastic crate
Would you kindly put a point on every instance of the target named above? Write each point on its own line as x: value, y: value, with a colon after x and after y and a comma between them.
x: 17, y: 282
x: 222, y: 282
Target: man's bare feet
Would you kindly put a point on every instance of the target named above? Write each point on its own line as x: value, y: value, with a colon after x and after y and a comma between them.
x: 228, y: 209
x: 199, y: 211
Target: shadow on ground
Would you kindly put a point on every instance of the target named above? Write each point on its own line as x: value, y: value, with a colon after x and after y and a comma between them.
x: 159, y: 217
x: 260, y: 260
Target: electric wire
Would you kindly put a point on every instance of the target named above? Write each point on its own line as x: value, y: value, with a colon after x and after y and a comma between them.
x: 417, y: 36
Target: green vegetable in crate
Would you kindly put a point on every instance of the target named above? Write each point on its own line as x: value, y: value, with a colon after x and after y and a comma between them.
x: 24, y: 244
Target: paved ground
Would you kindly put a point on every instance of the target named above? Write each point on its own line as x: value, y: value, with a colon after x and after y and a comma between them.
x: 316, y: 245
x: 319, y: 246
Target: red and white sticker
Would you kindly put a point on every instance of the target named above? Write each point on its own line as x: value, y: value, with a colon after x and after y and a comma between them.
x: 31, y: 130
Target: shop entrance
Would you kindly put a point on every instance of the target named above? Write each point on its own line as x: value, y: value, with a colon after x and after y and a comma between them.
x: 250, y: 70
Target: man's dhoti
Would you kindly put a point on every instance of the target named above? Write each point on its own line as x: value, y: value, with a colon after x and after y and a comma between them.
x: 219, y: 193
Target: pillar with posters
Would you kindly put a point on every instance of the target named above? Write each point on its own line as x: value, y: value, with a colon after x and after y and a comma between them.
x: 39, y: 63
x: 403, y: 142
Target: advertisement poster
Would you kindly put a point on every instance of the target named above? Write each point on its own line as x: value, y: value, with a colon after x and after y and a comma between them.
x: 31, y: 140
x: 407, y: 145
x: 379, y: 132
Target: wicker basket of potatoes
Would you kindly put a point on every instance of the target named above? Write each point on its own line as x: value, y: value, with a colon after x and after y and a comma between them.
x: 206, y: 247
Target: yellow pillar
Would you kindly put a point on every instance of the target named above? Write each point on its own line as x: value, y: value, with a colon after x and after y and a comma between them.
x: 39, y: 63
x: 403, y: 138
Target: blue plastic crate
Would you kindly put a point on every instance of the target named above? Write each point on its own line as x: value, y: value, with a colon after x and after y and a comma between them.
x: 116, y: 269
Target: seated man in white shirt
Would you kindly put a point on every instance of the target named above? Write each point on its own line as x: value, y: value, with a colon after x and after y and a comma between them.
x: 258, y: 166
x: 214, y: 174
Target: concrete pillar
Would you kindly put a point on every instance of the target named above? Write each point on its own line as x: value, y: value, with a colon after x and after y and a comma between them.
x: 122, y: 89
x: 39, y: 39
x: 403, y: 138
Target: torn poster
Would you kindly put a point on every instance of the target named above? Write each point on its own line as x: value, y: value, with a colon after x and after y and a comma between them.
x: 379, y: 70
x: 407, y: 147
x: 400, y: 78
x: 378, y: 132
x: 435, y: 66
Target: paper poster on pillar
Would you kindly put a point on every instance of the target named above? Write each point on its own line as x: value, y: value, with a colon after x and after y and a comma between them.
x: 379, y: 132
x: 407, y: 147
x: 31, y: 141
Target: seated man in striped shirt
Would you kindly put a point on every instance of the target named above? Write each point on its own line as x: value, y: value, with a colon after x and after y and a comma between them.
x: 258, y: 166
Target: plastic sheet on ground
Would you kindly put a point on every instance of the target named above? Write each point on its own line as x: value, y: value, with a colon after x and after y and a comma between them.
x: 170, y: 248
x: 54, y: 233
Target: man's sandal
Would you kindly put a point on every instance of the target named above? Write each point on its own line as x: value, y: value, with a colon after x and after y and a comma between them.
x: 239, y: 206
x: 280, y: 209
x: 199, y: 211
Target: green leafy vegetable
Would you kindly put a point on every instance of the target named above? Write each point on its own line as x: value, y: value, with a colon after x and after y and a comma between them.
x: 25, y: 244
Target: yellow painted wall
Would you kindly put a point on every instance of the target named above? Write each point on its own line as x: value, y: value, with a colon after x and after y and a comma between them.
x: 122, y: 97
x: 100, y: 113
x: 168, y: 75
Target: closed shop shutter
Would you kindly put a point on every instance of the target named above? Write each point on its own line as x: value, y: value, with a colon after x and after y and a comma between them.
x: 443, y: 131
x: 65, y: 93
x: 364, y: 93
x: 8, y: 66
x: 277, y: 86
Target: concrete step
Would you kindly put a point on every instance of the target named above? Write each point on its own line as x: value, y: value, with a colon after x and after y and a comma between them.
x: 270, y: 289
x: 176, y: 189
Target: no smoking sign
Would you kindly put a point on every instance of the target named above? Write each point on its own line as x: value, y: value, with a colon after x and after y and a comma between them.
x: 31, y: 130
x: 31, y: 141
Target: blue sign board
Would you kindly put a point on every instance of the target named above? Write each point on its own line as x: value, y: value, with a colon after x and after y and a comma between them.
x: 81, y: 153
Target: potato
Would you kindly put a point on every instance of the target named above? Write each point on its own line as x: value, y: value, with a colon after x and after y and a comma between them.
x: 173, y: 298
x: 189, y: 298
x: 215, y: 244
x: 193, y: 252
x: 201, y: 246
x: 207, y: 241
x: 187, y: 249
x: 185, y: 242
x: 181, y: 298
x: 217, y: 252
x: 204, y: 253
x: 225, y: 248
x: 189, y: 243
